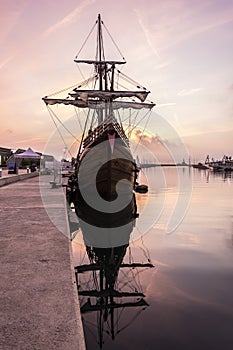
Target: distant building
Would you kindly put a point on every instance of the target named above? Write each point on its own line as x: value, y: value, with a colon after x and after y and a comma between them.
x: 5, y: 154
x: 48, y: 158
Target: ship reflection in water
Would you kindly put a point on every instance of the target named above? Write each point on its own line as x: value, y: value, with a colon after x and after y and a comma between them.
x: 108, y: 285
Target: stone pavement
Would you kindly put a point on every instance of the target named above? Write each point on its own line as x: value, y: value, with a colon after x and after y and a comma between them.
x: 39, y: 308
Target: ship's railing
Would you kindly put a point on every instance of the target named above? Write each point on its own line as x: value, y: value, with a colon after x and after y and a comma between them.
x: 108, y: 124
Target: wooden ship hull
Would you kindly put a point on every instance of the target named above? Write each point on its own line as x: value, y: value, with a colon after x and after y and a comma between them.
x: 107, y: 155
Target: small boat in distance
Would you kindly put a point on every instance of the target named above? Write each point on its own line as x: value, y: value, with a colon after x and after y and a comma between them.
x: 112, y: 113
x: 226, y: 164
x: 200, y: 166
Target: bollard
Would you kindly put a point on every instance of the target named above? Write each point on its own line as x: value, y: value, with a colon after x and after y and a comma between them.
x: 0, y: 172
x: 27, y: 170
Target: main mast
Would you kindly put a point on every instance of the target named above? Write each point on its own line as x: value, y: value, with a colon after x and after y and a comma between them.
x: 100, y: 49
x: 100, y: 66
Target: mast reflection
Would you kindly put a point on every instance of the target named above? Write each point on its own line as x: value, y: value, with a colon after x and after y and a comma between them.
x: 106, y: 284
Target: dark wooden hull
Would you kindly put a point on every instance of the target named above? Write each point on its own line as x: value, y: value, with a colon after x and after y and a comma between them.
x: 106, y: 172
x: 102, y: 190
x: 110, y: 166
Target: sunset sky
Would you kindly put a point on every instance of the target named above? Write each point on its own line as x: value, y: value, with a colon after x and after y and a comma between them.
x: 181, y: 50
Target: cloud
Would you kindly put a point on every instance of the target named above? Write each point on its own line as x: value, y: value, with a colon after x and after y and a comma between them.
x: 163, y: 65
x: 7, y: 60
x: 147, y: 32
x: 11, y: 12
x: 186, y: 92
x: 28, y: 140
x: 70, y: 17
x: 66, y: 20
x: 159, y: 147
x: 175, y: 22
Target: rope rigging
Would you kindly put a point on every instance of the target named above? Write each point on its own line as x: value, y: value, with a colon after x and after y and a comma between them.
x: 52, y: 117
x: 51, y: 112
x: 113, y: 41
x: 149, y: 114
x: 131, y: 321
x: 85, y: 41
x: 130, y: 80
x: 77, y: 86
x: 79, y: 121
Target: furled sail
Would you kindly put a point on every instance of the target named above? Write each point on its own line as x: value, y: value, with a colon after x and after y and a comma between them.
x: 99, y: 62
x: 93, y: 104
x: 107, y: 95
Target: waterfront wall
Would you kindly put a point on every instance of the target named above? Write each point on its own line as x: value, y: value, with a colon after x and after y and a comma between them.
x: 11, y: 179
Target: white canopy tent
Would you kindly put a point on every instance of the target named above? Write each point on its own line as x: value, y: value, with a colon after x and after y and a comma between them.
x: 29, y: 153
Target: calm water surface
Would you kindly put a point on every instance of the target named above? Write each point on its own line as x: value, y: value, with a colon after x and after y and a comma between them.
x: 188, y: 292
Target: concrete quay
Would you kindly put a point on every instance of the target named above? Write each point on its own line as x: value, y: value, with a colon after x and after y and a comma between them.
x: 38, y: 296
x: 7, y: 179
